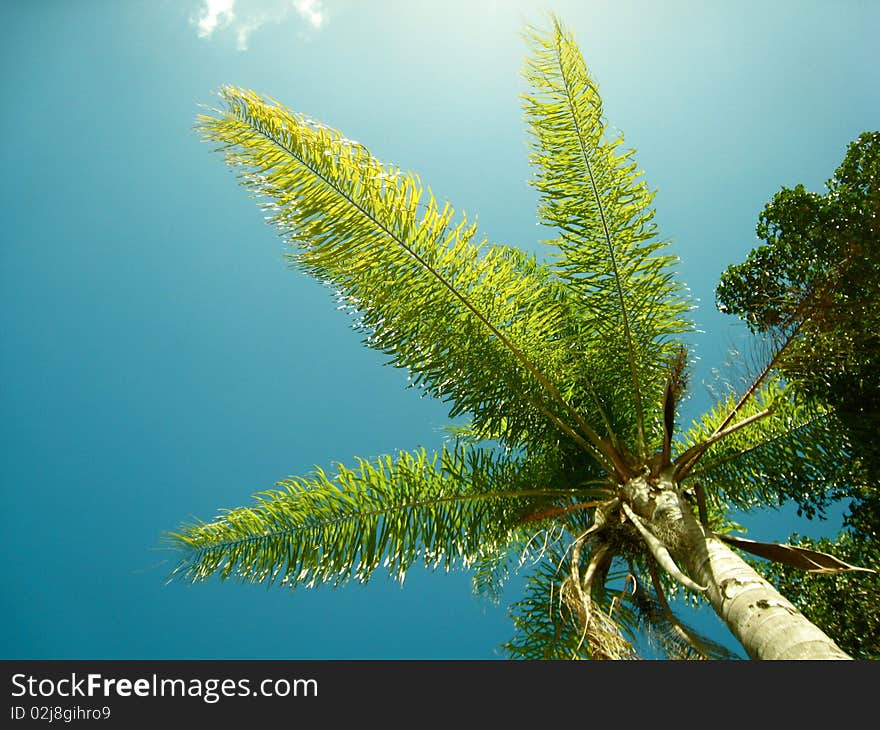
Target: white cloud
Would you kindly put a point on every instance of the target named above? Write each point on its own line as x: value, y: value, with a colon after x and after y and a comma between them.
x: 251, y: 15
x: 214, y: 14
x: 311, y: 11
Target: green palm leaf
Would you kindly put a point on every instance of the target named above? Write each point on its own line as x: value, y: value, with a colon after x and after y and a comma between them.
x: 795, y: 451
x: 607, y: 249
x: 447, y: 509
x: 492, y: 570
x: 481, y: 327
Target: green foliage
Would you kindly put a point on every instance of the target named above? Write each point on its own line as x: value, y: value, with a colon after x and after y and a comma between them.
x: 546, y: 624
x: 797, y: 449
x: 476, y: 320
x: 810, y: 241
x: 527, y: 352
x: 628, y: 620
x: 606, y: 248
x: 819, y: 272
x: 816, y: 279
x: 668, y: 636
x: 566, y: 376
x: 845, y: 605
x: 448, y: 509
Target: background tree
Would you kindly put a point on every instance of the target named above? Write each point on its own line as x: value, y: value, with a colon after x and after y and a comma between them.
x: 818, y: 275
x: 565, y: 372
x: 846, y: 605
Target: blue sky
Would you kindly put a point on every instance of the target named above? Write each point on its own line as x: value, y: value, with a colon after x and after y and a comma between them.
x: 160, y: 361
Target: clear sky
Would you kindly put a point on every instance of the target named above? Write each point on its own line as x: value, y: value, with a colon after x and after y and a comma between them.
x: 158, y: 359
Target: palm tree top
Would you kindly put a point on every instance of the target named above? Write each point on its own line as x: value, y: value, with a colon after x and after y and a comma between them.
x: 567, y: 370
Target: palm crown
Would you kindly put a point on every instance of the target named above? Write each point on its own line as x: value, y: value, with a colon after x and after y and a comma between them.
x: 567, y: 371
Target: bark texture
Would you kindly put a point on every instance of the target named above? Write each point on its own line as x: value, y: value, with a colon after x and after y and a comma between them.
x: 766, y: 624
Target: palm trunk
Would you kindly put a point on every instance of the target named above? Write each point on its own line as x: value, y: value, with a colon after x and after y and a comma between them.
x: 766, y: 624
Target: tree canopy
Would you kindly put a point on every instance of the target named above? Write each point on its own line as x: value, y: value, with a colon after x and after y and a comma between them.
x: 567, y: 370
x: 818, y: 271
x: 815, y: 283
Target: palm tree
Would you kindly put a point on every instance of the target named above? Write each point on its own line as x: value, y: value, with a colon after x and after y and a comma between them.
x: 564, y: 373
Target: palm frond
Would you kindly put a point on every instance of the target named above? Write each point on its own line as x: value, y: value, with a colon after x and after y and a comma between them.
x: 539, y: 532
x: 480, y: 327
x: 796, y: 451
x: 493, y: 569
x: 663, y: 630
x: 548, y: 623
x: 447, y: 509
x: 607, y: 247
x: 795, y: 556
